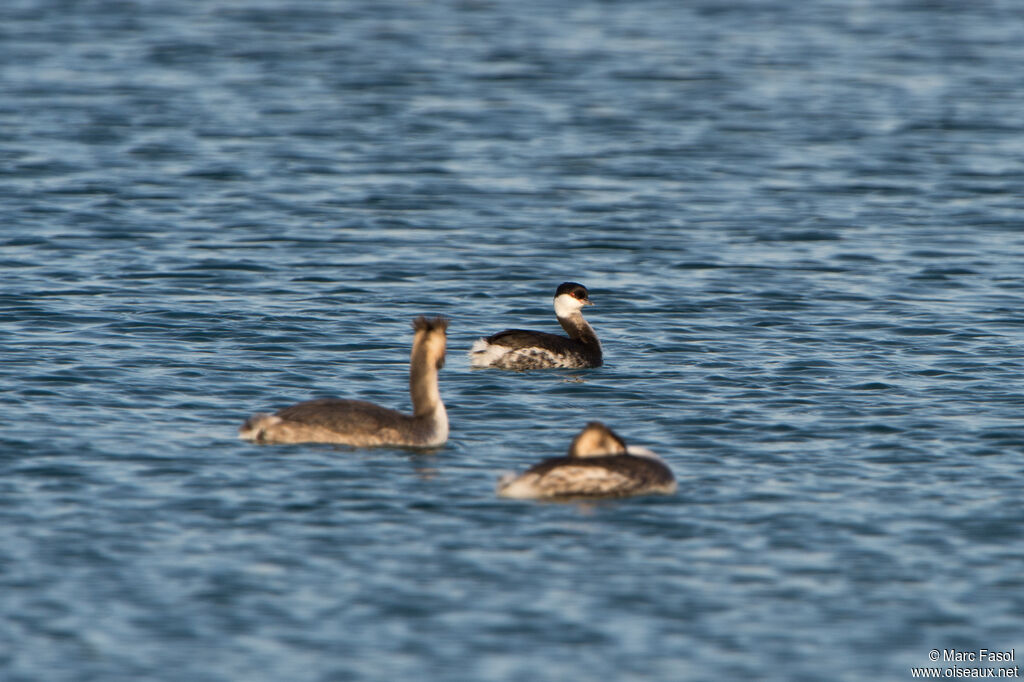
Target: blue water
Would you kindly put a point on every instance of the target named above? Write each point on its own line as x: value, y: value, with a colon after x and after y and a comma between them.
x: 802, y: 225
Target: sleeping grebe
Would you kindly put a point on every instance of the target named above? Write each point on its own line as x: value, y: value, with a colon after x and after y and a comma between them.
x: 599, y: 464
x: 522, y: 349
x: 360, y: 423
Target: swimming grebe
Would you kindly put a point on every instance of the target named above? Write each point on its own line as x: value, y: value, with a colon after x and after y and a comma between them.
x: 599, y: 464
x: 360, y: 423
x: 522, y: 349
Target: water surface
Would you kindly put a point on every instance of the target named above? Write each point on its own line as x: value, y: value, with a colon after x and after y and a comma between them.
x: 801, y: 227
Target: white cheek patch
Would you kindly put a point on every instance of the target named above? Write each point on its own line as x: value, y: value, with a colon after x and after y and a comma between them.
x: 566, y: 305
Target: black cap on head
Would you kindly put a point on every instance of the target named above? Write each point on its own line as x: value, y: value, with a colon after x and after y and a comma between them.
x: 574, y: 289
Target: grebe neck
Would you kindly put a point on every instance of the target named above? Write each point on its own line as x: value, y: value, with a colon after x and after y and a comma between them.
x: 423, y: 388
x: 578, y: 328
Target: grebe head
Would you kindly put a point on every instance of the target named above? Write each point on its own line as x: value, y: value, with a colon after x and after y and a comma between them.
x: 569, y: 298
x: 596, y: 440
x: 430, y: 336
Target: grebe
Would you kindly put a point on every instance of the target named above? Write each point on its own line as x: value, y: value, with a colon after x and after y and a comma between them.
x: 522, y: 349
x: 599, y: 464
x: 360, y: 423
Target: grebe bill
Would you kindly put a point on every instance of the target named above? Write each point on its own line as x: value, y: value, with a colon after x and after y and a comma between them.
x: 525, y: 349
x: 364, y: 424
x: 599, y: 465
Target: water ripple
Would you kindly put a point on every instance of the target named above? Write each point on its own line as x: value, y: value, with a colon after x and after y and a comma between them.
x: 800, y: 228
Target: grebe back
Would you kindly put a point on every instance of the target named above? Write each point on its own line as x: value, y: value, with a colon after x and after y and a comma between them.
x: 599, y: 464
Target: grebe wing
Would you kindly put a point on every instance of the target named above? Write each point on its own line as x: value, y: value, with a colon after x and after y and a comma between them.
x: 612, y: 474
x: 341, y: 415
x: 523, y: 338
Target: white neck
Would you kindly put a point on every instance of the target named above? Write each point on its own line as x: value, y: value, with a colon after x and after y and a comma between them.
x: 440, y: 424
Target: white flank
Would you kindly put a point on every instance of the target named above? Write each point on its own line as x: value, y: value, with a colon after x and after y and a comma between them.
x: 564, y: 481
x: 533, y: 357
x: 483, y: 354
x: 641, y: 451
x: 518, y: 487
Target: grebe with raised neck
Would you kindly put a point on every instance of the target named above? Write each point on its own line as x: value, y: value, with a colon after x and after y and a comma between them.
x: 364, y: 424
x: 524, y: 349
x: 599, y: 464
